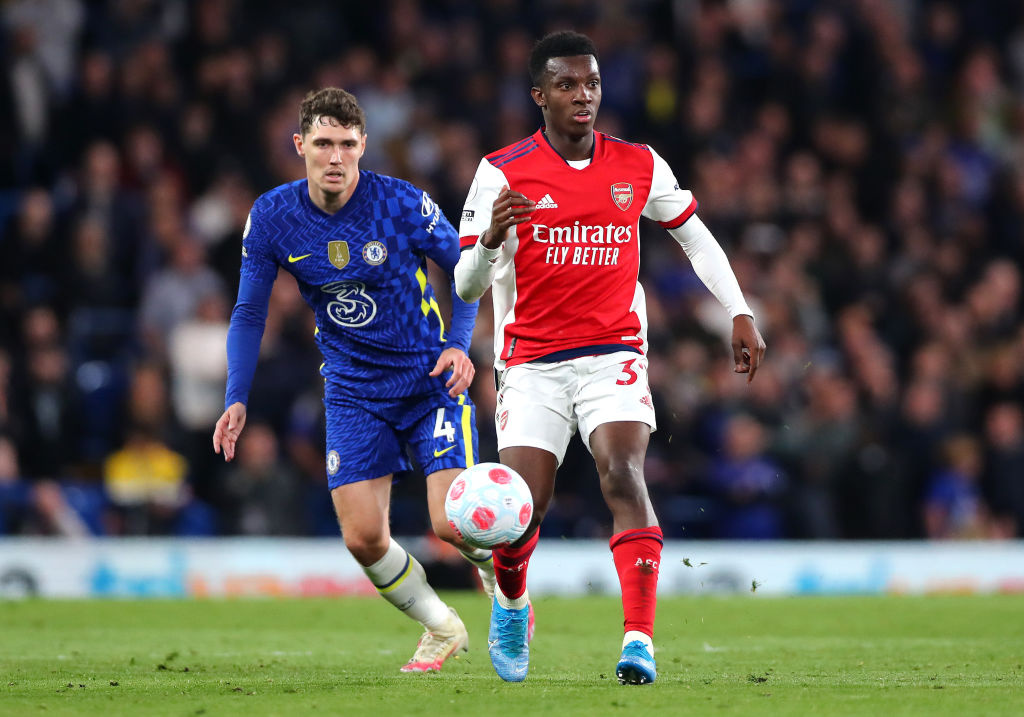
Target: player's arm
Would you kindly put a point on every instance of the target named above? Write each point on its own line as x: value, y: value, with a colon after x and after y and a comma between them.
x: 455, y: 356
x: 712, y: 267
x: 245, y: 333
x: 442, y: 245
x: 489, y: 218
x: 676, y: 210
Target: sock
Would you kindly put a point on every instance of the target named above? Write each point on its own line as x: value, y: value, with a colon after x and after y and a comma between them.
x: 483, y: 561
x: 510, y: 566
x: 400, y: 580
x: 632, y: 635
x: 637, y: 556
x: 512, y: 603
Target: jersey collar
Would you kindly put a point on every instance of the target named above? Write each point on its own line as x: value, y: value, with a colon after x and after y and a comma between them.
x: 541, y: 137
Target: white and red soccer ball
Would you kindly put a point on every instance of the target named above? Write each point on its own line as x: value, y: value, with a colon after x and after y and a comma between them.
x: 489, y: 505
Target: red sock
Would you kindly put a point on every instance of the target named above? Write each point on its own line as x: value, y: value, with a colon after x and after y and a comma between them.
x: 637, y: 556
x: 510, y: 566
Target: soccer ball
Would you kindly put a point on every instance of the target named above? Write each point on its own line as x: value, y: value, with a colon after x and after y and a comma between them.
x: 489, y: 505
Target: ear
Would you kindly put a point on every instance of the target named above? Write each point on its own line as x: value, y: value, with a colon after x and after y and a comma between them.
x: 538, y: 97
x: 362, y: 147
x: 297, y: 139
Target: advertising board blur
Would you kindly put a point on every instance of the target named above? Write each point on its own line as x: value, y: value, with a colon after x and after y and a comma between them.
x: 170, y: 568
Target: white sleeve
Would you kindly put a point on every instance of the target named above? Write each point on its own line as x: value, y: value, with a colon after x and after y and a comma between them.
x: 667, y: 204
x: 711, y: 265
x: 478, y: 264
x: 476, y: 269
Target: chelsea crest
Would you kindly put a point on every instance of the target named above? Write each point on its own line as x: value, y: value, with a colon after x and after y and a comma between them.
x: 374, y: 253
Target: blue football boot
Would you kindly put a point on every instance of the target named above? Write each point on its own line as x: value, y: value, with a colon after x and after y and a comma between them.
x: 507, y: 642
x: 636, y: 666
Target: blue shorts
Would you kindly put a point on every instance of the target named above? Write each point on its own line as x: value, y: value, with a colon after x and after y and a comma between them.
x: 368, y: 438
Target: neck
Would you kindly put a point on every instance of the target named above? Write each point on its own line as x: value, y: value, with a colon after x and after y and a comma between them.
x: 570, y: 147
x: 331, y: 202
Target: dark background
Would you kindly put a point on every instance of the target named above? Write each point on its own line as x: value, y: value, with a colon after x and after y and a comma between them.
x: 861, y: 161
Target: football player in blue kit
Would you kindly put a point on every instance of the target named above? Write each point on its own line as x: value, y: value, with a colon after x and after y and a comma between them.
x: 395, y: 378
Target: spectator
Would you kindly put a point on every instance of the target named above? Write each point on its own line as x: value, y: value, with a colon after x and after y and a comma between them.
x: 262, y: 494
x: 198, y: 366
x: 1004, y: 465
x: 173, y: 293
x: 954, y: 507
x: 748, y: 484
x: 146, y: 480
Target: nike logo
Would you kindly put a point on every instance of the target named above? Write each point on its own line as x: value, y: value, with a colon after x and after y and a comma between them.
x: 293, y: 259
x: 438, y: 453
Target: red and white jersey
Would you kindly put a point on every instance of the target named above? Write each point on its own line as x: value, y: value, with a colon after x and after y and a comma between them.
x: 567, y: 279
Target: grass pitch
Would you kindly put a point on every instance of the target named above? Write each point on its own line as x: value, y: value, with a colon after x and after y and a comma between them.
x: 747, y: 655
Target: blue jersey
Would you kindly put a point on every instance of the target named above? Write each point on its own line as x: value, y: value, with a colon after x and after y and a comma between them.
x: 363, y: 271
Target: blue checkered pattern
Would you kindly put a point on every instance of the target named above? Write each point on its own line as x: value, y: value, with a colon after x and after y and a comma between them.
x: 378, y: 325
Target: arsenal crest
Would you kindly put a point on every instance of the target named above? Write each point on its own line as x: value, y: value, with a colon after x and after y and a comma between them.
x: 622, y: 195
x: 337, y: 252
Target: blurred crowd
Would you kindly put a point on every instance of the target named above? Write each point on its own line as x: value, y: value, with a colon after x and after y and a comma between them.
x: 861, y: 161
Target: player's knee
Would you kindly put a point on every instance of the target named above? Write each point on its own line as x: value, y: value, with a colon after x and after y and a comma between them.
x: 623, y: 480
x: 443, y: 530
x: 367, y: 546
x: 539, y: 511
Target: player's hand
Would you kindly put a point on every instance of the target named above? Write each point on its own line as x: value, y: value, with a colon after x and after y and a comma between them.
x: 747, y: 346
x: 229, y: 426
x: 461, y: 367
x: 509, y: 209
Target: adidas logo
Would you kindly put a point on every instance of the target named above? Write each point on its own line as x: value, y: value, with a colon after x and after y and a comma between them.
x: 546, y: 202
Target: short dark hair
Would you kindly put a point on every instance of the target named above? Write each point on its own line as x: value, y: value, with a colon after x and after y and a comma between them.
x: 558, y: 44
x: 331, y: 102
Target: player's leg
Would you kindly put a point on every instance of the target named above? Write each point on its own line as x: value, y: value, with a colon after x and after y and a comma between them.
x: 444, y: 442
x: 534, y: 424
x: 362, y: 510
x: 360, y: 464
x: 437, y: 488
x: 616, y: 419
x: 537, y: 467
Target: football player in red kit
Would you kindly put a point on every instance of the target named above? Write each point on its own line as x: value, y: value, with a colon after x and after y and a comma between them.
x: 551, y: 223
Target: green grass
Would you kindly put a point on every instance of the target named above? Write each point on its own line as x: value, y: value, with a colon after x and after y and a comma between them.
x: 744, y: 655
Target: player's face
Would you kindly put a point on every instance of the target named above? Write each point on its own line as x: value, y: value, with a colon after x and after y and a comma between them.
x: 332, y: 154
x: 570, y: 95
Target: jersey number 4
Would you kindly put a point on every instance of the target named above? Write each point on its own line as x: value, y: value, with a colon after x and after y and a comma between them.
x: 443, y: 428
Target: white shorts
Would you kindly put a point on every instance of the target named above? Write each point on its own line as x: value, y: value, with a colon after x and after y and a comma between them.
x: 542, y: 404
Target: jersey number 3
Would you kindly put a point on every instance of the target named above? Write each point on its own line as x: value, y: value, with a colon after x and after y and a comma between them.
x: 629, y: 375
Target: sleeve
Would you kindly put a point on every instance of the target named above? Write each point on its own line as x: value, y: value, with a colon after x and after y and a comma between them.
x: 478, y: 264
x: 435, y: 236
x: 258, y: 264
x: 667, y: 204
x: 430, y: 231
x: 711, y: 265
x: 245, y: 332
x: 463, y: 320
x: 248, y: 318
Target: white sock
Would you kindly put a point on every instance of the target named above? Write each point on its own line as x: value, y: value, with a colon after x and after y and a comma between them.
x: 512, y: 603
x: 642, y: 637
x: 483, y: 561
x: 400, y: 580
x: 478, y: 556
